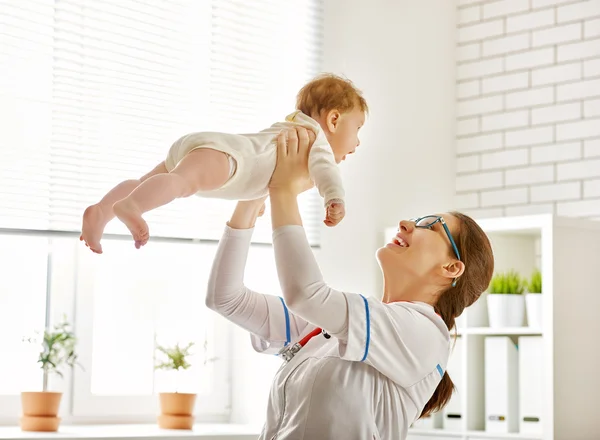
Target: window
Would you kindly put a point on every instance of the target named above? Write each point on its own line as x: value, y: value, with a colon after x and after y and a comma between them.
x: 92, y: 93
x: 96, y: 92
x: 22, y: 309
x: 134, y: 301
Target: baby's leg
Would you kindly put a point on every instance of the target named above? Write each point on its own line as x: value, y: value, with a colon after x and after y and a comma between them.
x: 97, y: 216
x: 200, y: 170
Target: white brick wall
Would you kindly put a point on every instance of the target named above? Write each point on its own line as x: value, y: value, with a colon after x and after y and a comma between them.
x: 528, y: 91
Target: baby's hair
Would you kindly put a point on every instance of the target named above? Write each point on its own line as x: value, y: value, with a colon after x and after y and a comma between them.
x: 328, y: 92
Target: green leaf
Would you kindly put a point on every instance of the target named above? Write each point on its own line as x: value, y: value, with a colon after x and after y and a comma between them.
x: 507, y: 283
x: 57, y: 348
x: 534, y: 285
x: 176, y: 357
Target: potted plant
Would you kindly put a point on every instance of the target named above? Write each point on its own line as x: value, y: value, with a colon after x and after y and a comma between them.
x: 506, y: 305
x: 40, y: 408
x: 176, y: 408
x: 533, y: 300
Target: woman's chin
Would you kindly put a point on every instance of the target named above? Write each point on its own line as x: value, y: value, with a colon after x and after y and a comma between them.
x: 382, y: 252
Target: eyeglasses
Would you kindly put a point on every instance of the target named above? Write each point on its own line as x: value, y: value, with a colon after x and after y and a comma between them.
x: 428, y: 221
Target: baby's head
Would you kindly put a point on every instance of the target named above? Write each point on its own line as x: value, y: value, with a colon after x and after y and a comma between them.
x: 338, y: 107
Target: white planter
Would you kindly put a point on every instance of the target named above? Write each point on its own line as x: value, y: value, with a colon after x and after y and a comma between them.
x: 533, y: 301
x: 477, y: 315
x: 506, y: 310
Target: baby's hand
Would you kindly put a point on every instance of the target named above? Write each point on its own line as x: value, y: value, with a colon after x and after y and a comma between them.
x: 336, y: 211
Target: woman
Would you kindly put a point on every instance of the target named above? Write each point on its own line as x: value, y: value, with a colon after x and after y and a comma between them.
x: 376, y: 366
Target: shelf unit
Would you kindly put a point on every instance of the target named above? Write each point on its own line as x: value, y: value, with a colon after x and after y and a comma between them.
x: 566, y: 252
x: 506, y: 331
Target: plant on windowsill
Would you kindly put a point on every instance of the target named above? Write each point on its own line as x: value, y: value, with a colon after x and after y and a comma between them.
x: 533, y: 300
x: 176, y: 408
x: 506, y: 305
x: 40, y: 408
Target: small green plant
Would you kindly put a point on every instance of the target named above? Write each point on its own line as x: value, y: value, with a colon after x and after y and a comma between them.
x: 58, y: 350
x: 534, y: 284
x: 507, y: 283
x: 176, y: 357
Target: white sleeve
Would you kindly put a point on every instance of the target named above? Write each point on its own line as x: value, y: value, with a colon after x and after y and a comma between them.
x: 266, y: 317
x: 325, y: 172
x: 403, y: 341
x: 304, y: 290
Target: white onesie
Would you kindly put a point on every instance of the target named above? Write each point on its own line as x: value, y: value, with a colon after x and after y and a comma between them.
x: 255, y: 156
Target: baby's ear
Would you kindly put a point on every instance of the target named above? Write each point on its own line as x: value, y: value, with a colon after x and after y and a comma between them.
x: 333, y: 120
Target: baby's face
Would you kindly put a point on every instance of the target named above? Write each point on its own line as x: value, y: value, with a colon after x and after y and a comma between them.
x: 344, y: 139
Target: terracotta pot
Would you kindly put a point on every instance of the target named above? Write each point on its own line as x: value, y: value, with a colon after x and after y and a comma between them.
x: 169, y: 421
x: 40, y: 424
x: 40, y: 410
x: 176, y: 410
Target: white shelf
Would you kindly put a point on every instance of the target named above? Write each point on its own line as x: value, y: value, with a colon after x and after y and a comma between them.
x: 433, y: 433
x: 422, y: 434
x: 525, y: 331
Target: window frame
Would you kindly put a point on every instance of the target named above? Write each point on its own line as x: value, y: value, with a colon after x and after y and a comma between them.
x: 78, y: 405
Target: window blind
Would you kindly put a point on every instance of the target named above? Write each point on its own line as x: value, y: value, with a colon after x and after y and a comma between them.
x: 95, y: 92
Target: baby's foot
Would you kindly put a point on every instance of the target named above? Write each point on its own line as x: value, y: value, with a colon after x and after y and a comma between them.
x: 129, y: 214
x: 94, y: 221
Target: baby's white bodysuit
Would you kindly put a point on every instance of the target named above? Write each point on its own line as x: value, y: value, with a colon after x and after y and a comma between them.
x: 255, y: 156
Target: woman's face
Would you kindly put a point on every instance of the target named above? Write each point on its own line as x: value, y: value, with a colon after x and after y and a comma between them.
x: 420, y: 252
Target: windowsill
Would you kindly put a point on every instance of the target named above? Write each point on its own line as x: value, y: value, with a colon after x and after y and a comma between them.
x: 127, y: 432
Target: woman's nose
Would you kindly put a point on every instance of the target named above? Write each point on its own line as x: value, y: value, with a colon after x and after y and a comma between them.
x: 406, y: 226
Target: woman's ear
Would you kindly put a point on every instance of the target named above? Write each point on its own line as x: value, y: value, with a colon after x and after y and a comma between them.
x: 333, y: 120
x: 453, y: 269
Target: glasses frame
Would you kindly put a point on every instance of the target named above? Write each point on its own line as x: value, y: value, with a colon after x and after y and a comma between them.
x: 438, y: 219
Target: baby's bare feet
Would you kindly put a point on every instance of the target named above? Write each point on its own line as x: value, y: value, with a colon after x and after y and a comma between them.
x: 129, y: 214
x: 94, y: 221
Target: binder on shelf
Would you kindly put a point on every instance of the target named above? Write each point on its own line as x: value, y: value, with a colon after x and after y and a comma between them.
x: 501, y: 385
x: 531, y: 384
x: 453, y: 417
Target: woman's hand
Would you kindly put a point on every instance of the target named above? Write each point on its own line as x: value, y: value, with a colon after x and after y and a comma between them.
x: 291, y: 176
x: 291, y: 172
x: 246, y: 212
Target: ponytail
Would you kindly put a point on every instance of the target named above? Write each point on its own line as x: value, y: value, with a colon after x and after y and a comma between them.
x: 440, y: 397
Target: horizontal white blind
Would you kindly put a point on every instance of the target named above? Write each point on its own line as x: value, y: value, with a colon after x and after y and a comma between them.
x: 26, y: 57
x: 262, y: 52
x: 96, y: 92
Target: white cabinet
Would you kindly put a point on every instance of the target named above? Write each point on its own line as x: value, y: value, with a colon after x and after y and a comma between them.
x: 567, y: 251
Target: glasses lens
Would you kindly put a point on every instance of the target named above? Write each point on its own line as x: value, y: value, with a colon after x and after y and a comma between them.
x: 426, y: 221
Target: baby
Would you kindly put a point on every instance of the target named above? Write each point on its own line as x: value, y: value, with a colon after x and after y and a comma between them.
x: 239, y: 166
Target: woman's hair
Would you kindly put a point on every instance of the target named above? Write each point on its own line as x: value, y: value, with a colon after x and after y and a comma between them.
x: 476, y: 253
x: 328, y: 92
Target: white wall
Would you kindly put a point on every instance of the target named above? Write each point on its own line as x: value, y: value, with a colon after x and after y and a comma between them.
x: 401, y: 53
x: 528, y: 107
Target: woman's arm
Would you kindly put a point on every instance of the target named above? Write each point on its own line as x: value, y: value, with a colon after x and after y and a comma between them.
x: 304, y: 290
x: 265, y: 316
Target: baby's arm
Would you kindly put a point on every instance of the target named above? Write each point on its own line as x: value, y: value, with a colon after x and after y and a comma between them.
x: 325, y: 172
